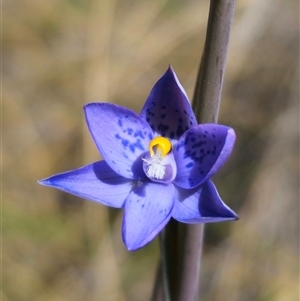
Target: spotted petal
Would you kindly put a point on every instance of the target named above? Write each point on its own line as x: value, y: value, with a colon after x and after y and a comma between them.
x: 147, y: 210
x: 121, y: 137
x: 167, y: 109
x: 201, y: 152
x: 202, y: 205
x: 96, y: 182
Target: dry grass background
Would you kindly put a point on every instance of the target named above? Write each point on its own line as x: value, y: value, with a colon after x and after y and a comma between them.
x: 61, y: 54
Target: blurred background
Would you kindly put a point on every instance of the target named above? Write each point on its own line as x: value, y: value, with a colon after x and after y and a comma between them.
x: 58, y: 55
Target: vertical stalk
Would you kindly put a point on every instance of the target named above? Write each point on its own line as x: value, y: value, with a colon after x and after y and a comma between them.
x: 181, y: 243
x: 208, y: 89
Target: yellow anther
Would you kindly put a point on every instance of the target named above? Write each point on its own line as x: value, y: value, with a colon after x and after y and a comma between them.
x: 161, y: 145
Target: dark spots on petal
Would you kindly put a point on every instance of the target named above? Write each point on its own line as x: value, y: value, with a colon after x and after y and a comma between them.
x: 198, y: 144
x: 148, y: 113
x: 150, y: 136
x: 176, y: 111
x: 191, y: 122
x: 163, y: 116
x: 179, y: 130
x: 125, y: 142
x: 113, y: 162
x: 139, y: 145
x: 147, y: 119
x: 139, y: 134
x: 189, y: 165
x: 129, y: 131
x: 185, y: 112
x: 187, y: 154
x: 180, y: 120
x: 191, y: 182
x: 179, y: 145
x: 213, y: 135
x: 163, y: 107
x: 172, y: 134
x: 166, y: 127
x: 118, y: 136
x: 120, y: 122
x: 143, y: 206
x: 162, y: 127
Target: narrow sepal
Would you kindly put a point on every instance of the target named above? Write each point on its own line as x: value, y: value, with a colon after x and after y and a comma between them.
x: 96, y: 182
x: 201, y: 205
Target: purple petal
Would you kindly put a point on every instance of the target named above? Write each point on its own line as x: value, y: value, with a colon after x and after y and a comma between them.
x: 201, y: 152
x: 202, y: 205
x: 96, y: 182
x: 167, y: 109
x: 121, y: 137
x: 147, y: 210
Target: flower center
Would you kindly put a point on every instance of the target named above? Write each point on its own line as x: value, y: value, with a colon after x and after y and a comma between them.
x: 159, y: 147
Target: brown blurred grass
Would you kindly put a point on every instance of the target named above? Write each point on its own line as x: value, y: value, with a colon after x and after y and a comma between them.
x: 59, y: 55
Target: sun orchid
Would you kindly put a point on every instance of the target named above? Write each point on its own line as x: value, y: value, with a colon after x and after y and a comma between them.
x: 157, y: 164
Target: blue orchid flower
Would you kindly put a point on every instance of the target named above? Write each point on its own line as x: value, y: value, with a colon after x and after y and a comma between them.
x: 157, y: 164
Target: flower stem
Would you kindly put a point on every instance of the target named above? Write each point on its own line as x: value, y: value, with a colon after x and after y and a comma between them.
x: 208, y: 89
x: 181, y: 244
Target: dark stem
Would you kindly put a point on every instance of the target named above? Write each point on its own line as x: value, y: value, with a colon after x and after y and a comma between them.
x: 181, y: 243
x: 157, y: 292
x: 208, y: 89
